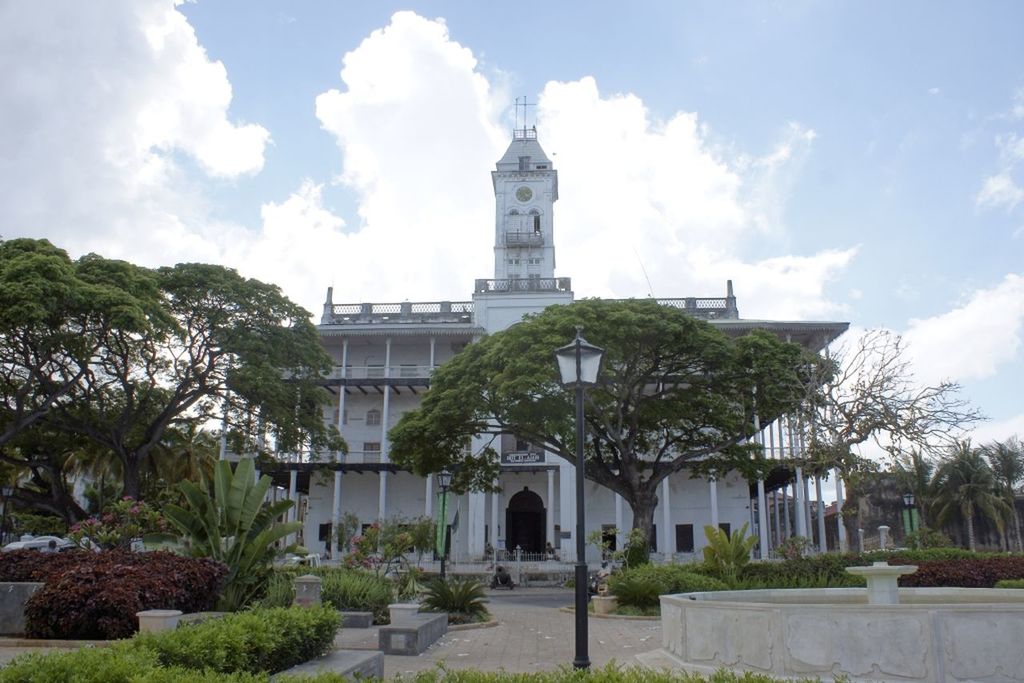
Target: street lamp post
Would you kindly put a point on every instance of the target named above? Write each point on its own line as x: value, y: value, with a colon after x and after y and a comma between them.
x: 578, y: 365
x: 444, y: 480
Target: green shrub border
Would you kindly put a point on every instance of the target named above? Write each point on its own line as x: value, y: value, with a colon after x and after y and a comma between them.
x: 244, y: 647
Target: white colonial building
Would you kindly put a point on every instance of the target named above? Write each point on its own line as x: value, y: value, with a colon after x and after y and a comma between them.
x: 385, y: 353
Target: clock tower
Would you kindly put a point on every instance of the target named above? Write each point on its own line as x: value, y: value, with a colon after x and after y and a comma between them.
x: 525, y: 191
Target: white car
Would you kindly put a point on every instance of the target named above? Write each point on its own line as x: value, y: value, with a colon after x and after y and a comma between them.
x: 44, y: 543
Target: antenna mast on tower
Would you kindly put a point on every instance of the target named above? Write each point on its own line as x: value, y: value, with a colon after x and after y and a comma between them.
x: 524, y: 104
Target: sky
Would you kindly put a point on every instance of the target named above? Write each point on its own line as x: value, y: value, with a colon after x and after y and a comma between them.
x: 846, y: 161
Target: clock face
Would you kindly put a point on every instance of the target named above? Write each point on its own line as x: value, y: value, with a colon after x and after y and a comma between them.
x: 524, y: 194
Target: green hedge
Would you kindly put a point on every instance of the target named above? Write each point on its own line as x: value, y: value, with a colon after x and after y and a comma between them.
x: 240, y: 647
x: 356, y: 590
x: 641, y: 586
x: 261, y: 640
x: 1010, y: 583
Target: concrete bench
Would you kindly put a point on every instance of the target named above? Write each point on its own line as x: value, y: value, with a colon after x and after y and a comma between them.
x: 356, y: 619
x: 413, y: 636
x: 352, y: 664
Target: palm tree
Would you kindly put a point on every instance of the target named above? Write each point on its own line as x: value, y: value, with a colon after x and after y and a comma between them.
x: 965, y: 483
x: 1007, y: 461
x: 914, y: 472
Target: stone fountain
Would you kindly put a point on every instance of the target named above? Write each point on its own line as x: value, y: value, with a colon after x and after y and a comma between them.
x: 884, y: 633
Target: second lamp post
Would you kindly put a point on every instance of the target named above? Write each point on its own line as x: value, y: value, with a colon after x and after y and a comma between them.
x: 578, y: 365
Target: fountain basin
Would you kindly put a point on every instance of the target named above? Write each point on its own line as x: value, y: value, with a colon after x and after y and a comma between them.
x: 934, y: 635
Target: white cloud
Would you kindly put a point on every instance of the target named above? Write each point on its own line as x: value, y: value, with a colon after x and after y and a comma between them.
x: 934, y: 91
x: 99, y: 100
x: 640, y: 195
x: 999, y: 190
x: 106, y: 100
x: 973, y: 340
x: 999, y: 430
x: 417, y: 126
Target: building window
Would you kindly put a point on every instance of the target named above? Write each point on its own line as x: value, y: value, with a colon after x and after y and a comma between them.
x: 684, y: 538
x: 373, y: 417
x: 535, y: 261
x: 727, y: 528
x: 513, y: 212
x: 653, y: 540
x: 513, y: 262
x: 524, y: 163
x: 609, y: 539
x: 371, y: 447
x: 536, y: 223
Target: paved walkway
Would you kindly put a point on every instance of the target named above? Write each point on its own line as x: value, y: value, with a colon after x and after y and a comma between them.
x: 532, y: 635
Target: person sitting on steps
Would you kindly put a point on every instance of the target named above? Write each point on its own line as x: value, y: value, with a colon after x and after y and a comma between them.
x: 502, y: 579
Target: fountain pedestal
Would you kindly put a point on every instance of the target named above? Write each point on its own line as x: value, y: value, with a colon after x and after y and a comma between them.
x: 882, y: 581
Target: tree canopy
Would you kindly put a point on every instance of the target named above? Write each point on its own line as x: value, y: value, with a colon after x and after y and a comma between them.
x: 674, y: 393
x: 125, y: 357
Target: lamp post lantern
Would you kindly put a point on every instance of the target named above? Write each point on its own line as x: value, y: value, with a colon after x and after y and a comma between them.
x: 444, y: 480
x: 578, y: 365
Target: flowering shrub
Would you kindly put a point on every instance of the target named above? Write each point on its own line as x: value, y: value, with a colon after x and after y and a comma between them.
x: 98, y: 596
x: 380, y: 548
x: 124, y: 521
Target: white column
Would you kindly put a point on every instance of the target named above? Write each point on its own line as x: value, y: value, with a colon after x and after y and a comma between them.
x: 798, y: 487
x: 336, y: 510
x: 713, y: 501
x: 293, y: 513
x: 762, y: 503
x: 807, y: 485
x: 567, y: 510
x: 476, y: 518
x: 385, y: 447
x: 620, y: 533
x: 807, y: 507
x: 840, y: 527
x: 666, y: 520
x: 433, y: 343
x: 428, y: 504
x: 798, y: 492
x: 549, y: 530
x: 822, y: 543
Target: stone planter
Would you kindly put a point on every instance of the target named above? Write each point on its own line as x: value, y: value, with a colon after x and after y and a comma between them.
x: 604, y: 604
x: 403, y: 612
x: 13, y: 597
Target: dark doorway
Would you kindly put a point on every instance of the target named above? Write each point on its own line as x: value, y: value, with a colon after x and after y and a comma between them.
x: 524, y: 522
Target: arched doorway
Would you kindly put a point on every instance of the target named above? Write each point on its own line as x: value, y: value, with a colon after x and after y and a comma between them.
x: 524, y: 522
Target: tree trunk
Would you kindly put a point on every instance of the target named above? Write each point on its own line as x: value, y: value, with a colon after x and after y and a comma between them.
x: 970, y: 529
x: 643, y: 506
x: 131, y: 477
x: 1015, y: 520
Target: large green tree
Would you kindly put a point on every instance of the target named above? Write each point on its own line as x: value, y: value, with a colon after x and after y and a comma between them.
x: 674, y: 393
x: 55, y: 315
x: 221, y: 346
